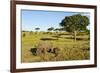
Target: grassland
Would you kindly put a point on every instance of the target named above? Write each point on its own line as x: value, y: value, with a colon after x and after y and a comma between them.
x: 69, y: 49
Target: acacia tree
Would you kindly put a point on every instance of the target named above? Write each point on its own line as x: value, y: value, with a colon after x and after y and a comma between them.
x: 75, y: 23
x: 50, y: 29
x: 37, y: 29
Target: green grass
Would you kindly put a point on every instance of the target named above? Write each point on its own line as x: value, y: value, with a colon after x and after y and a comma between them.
x: 69, y: 49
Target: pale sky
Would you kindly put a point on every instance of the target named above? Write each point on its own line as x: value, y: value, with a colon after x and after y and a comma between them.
x: 31, y: 19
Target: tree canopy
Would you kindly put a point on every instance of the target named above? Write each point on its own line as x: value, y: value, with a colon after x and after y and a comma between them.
x: 50, y: 29
x: 75, y: 23
x: 37, y: 28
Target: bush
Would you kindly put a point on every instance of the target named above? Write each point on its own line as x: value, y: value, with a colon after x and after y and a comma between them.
x: 24, y: 34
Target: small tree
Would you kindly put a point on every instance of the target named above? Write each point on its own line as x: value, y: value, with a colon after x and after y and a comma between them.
x: 50, y: 29
x: 37, y: 29
x: 24, y: 34
x: 75, y: 23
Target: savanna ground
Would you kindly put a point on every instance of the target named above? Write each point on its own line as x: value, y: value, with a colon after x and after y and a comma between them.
x: 69, y: 49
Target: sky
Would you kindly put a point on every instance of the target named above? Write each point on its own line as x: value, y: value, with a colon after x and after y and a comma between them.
x: 31, y: 19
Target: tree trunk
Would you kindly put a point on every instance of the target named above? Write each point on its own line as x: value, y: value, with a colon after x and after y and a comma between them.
x: 75, y: 35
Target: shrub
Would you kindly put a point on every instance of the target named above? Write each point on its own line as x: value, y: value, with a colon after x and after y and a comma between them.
x: 24, y: 34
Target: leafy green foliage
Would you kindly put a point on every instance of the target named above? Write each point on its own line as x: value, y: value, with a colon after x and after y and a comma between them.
x: 75, y: 23
x: 50, y: 29
x: 37, y: 28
